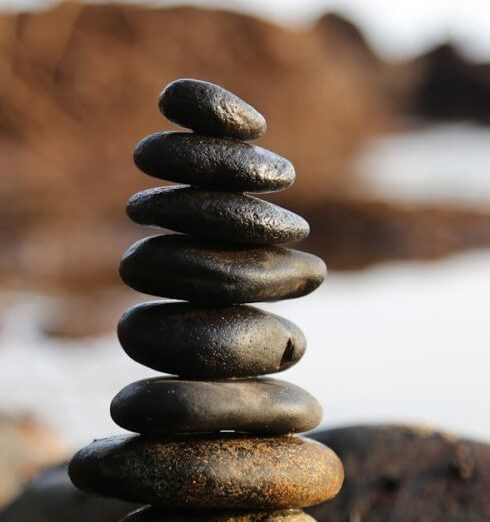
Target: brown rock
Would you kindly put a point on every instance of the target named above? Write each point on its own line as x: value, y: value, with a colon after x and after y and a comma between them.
x: 212, y: 473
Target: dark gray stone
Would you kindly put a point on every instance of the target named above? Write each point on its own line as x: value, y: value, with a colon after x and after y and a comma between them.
x: 182, y: 267
x: 51, y: 497
x: 213, y: 473
x: 160, y: 515
x: 209, y: 341
x: 408, y: 474
x: 209, y: 109
x: 213, y: 163
x: 168, y: 406
x: 226, y: 216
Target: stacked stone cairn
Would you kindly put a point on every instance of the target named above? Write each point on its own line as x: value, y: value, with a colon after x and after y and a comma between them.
x: 214, y: 442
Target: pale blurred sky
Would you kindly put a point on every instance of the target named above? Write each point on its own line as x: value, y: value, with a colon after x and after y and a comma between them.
x: 396, y: 28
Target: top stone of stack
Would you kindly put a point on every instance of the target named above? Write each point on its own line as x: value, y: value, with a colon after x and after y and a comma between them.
x: 209, y: 109
x: 212, y: 157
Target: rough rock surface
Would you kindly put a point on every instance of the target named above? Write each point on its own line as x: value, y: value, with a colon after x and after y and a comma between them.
x: 214, y: 163
x: 407, y: 474
x: 225, y: 216
x: 209, y: 109
x: 210, y: 473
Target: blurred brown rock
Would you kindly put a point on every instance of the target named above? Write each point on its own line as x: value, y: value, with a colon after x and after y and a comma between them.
x: 76, y: 88
x: 407, y: 474
x: 442, y: 84
x: 355, y: 233
x: 25, y: 448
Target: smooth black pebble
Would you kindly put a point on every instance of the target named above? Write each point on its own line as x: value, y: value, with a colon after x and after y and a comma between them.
x: 167, y: 406
x: 209, y: 109
x: 183, y: 267
x: 209, y: 341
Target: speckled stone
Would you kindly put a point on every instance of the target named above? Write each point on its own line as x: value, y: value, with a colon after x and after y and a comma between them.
x: 213, y: 473
x: 183, y: 267
x: 160, y: 515
x: 209, y: 109
x: 213, y: 163
x: 224, y: 341
x: 226, y: 216
x: 167, y: 406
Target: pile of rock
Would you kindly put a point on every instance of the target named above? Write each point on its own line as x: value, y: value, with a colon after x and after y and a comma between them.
x: 215, y: 442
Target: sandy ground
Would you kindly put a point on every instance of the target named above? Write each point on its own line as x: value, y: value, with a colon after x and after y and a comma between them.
x: 406, y: 342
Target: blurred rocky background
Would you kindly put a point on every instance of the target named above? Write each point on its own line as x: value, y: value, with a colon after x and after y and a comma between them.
x: 392, y: 165
x: 78, y: 85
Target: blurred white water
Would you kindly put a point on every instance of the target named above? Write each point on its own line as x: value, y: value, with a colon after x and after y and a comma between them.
x: 441, y: 164
x: 406, y: 342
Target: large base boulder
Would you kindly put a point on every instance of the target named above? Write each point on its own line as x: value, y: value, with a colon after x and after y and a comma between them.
x: 407, y: 474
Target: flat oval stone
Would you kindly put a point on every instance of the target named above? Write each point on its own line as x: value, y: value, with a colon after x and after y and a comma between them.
x: 183, y: 267
x: 167, y: 406
x: 213, y: 163
x: 209, y: 109
x: 150, y: 514
x: 224, y: 341
x: 226, y: 216
x: 212, y: 473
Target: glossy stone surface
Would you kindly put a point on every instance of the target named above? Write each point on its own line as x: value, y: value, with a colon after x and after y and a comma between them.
x: 167, y: 406
x: 209, y: 109
x: 182, y: 267
x: 160, y: 515
x: 226, y: 216
x: 213, y: 473
x: 209, y: 341
x: 214, y: 163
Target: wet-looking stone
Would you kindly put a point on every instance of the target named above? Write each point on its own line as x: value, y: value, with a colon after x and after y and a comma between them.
x: 209, y: 109
x: 226, y: 216
x: 213, y: 163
